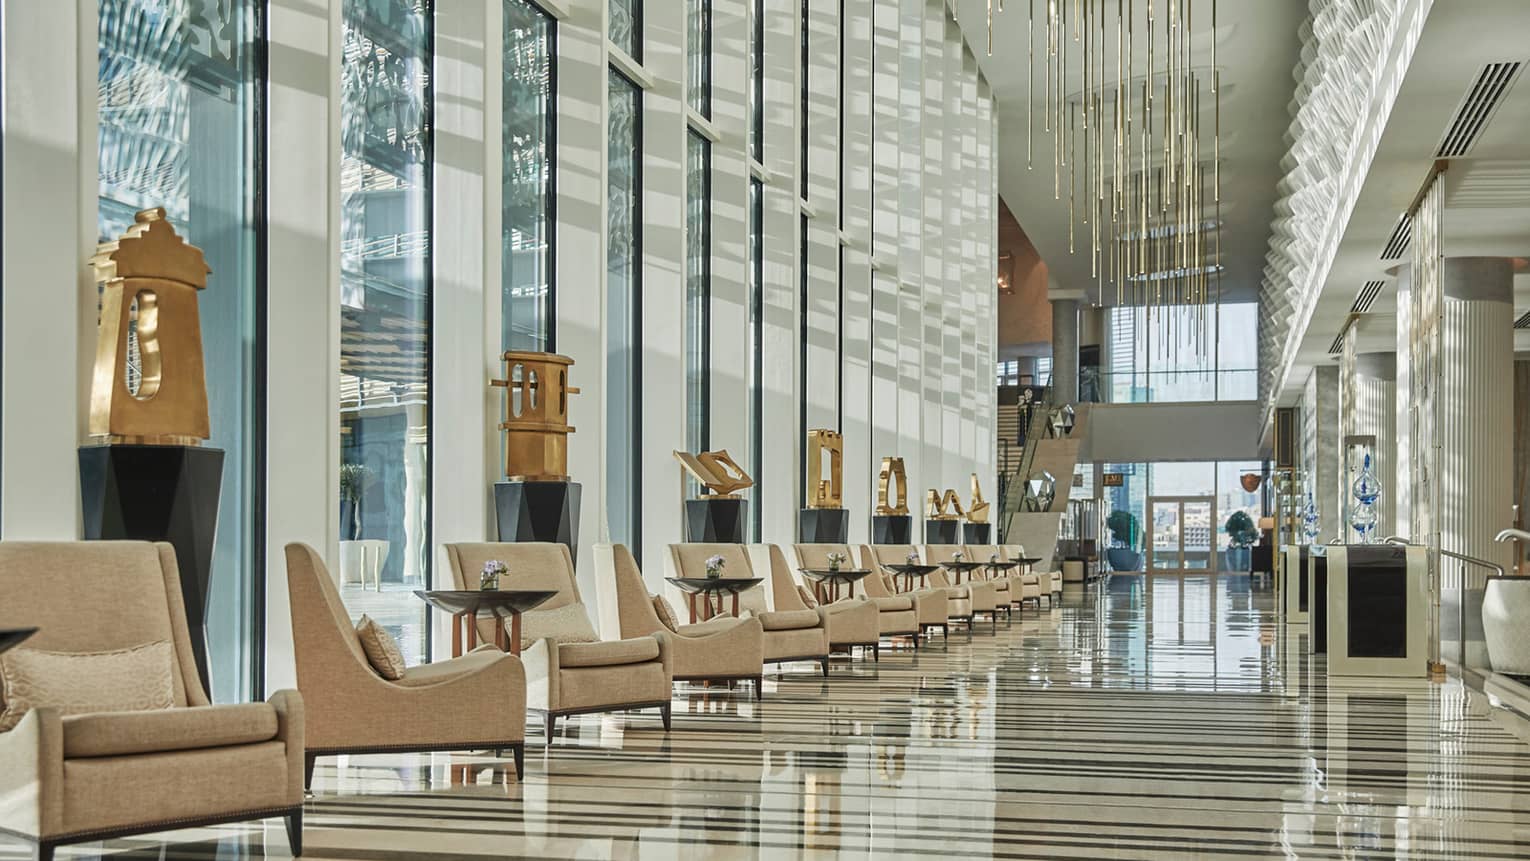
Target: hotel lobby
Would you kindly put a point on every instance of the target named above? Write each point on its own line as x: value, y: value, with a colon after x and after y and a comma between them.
x: 825, y: 428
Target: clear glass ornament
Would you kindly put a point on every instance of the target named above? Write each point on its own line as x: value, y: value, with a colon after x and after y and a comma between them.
x: 1366, y: 490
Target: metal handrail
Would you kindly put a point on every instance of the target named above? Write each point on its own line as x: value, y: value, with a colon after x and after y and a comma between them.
x: 1461, y: 600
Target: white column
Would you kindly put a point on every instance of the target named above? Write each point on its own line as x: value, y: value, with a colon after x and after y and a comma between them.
x: 861, y: 458
x: 1369, y: 409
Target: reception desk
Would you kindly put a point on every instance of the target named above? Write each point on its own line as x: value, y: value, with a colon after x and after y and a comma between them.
x: 1378, y: 610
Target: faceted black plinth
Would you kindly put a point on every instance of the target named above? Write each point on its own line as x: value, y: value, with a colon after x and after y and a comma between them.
x: 539, y: 511
x: 712, y: 520
x: 1319, y: 600
x: 1378, y: 601
x: 976, y: 533
x: 942, y: 532
x: 823, y: 526
x: 159, y: 493
x: 892, y: 529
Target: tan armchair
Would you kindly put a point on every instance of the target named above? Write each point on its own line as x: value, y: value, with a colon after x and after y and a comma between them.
x: 931, y: 609
x: 74, y: 778
x: 852, y: 621
x: 981, y: 594
x: 791, y: 635
x: 568, y: 678
x: 477, y: 701
x: 958, y: 598
x: 1048, y: 583
x: 720, y: 650
x: 1006, y: 584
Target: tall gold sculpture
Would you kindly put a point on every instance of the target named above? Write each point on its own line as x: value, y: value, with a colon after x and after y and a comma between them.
x: 892, y: 474
x: 149, y: 281
x: 825, y: 493
x: 942, y: 507
x: 536, y: 415
x: 716, y: 471
x: 977, y: 511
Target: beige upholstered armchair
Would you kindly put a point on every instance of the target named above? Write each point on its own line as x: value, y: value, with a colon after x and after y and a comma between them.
x: 931, y: 609
x: 894, y: 615
x: 1048, y: 583
x: 569, y: 670
x: 958, y: 598
x: 1006, y: 585
x: 852, y: 621
x: 791, y: 635
x: 719, y: 650
x: 981, y: 594
x: 477, y: 701
x: 155, y: 756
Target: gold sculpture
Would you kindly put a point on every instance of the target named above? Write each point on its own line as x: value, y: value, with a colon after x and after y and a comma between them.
x: 716, y: 471
x: 892, y: 473
x: 536, y: 415
x: 149, y: 280
x: 942, y: 507
x: 977, y: 512
x: 825, y: 493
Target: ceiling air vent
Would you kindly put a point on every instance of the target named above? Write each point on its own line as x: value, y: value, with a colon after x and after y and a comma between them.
x: 1400, y: 236
x: 1523, y: 322
x: 1337, y: 346
x: 1477, y: 109
x: 1367, y: 296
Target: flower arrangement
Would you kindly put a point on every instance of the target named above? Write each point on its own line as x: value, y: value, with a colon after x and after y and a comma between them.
x: 957, y: 556
x: 488, y: 578
x: 837, y: 559
x: 913, y: 558
x: 715, y: 565
x: 993, y: 558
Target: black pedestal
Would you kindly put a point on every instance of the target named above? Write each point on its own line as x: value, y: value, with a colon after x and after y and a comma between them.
x: 159, y: 493
x: 942, y: 532
x: 976, y: 533
x: 823, y: 526
x: 539, y: 511
x: 1318, y: 629
x: 715, y: 521
x: 892, y: 529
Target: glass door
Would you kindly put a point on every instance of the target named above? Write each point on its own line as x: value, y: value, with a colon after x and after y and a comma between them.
x: 1181, y: 534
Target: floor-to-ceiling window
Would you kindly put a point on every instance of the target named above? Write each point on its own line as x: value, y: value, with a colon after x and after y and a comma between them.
x: 1181, y: 353
x: 624, y: 291
x: 385, y: 306
x: 626, y: 26
x: 757, y: 80
x: 179, y: 116
x: 698, y: 292
x: 529, y: 121
x: 698, y: 48
x: 756, y: 347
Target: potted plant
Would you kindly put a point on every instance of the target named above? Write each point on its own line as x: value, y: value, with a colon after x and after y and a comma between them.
x: 1242, y: 534
x: 353, y: 483
x: 1123, y: 555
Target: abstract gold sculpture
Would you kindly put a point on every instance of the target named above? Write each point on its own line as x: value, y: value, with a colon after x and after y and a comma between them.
x: 825, y: 493
x: 716, y: 471
x: 149, y: 280
x: 942, y: 507
x: 977, y: 511
x: 536, y: 415
x: 892, y: 473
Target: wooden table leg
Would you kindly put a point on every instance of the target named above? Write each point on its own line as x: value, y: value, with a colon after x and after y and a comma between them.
x: 472, y: 634
x: 457, y: 635
x: 515, y: 633
x: 735, y: 604
x: 691, y: 601
x: 499, y: 633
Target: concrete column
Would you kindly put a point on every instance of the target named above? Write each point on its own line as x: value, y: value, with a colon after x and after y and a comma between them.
x: 1320, y: 447
x: 1065, y: 349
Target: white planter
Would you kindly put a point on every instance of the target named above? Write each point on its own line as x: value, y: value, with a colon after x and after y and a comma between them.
x: 1506, y: 624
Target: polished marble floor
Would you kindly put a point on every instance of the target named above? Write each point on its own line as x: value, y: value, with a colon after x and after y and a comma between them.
x: 1167, y: 718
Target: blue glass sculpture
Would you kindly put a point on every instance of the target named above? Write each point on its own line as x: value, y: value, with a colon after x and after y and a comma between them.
x: 1366, y: 490
x: 1310, y: 526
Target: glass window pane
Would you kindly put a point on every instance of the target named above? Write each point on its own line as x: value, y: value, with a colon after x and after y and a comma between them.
x: 1238, y: 352
x: 623, y: 310
x: 385, y: 316
x: 528, y: 116
x: 626, y: 28
x: 757, y: 81
x: 698, y: 292
x: 179, y: 92
x: 698, y: 48
x: 756, y: 342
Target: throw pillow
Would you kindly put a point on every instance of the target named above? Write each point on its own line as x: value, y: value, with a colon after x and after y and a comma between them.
x: 566, y: 624
x: 382, y: 650
x: 807, y: 597
x: 124, y: 680
x: 666, y: 612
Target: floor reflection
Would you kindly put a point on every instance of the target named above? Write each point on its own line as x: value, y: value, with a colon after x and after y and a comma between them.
x: 1169, y: 717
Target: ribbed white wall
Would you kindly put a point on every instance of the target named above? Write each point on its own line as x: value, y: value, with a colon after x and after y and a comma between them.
x: 1403, y: 496
x: 1476, y: 433
x: 1375, y: 413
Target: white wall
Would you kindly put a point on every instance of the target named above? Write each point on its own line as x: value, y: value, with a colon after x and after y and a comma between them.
x: 918, y: 281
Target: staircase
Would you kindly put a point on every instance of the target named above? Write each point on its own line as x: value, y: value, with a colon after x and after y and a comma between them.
x: 1034, y: 442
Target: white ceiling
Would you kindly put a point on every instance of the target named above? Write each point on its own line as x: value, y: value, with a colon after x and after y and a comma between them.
x: 1257, y: 48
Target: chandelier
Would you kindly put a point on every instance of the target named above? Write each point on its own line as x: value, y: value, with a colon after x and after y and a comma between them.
x: 1131, y: 150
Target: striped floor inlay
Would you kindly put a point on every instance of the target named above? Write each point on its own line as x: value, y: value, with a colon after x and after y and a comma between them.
x: 1172, y: 718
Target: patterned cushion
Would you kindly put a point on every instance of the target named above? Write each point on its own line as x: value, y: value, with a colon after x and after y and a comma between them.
x: 125, y: 680
x: 566, y: 624
x: 382, y: 650
x: 666, y: 612
x: 807, y: 597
